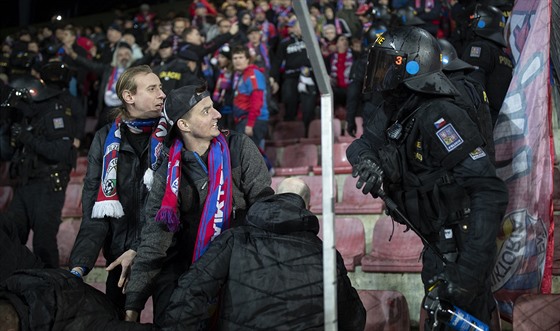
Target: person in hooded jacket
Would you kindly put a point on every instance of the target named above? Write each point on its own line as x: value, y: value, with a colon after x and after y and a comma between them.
x: 250, y: 111
x: 270, y: 272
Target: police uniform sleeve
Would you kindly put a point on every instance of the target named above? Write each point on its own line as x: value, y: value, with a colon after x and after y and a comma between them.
x: 449, y: 134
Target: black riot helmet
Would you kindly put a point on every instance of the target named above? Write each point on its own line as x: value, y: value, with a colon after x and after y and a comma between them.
x: 374, y: 32
x: 408, y: 55
x: 449, y: 58
x: 408, y: 16
x: 489, y: 23
x: 30, y: 87
x: 55, y: 72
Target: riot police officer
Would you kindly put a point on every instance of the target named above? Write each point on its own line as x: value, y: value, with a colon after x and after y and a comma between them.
x: 486, y: 52
x: 430, y: 159
x: 41, y: 137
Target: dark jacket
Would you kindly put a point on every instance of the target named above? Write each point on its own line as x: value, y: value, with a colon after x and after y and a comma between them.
x: 270, y: 273
x: 54, y: 299
x: 163, y: 249
x: 116, y: 236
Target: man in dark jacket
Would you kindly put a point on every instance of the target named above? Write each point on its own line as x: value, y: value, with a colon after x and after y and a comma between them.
x: 114, y: 192
x: 32, y: 298
x: 207, y: 181
x: 429, y: 156
x: 268, y: 273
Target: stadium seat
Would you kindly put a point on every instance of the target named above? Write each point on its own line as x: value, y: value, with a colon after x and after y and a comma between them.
x: 77, y: 174
x: 536, y: 312
x: 73, y: 200
x: 286, y: 133
x: 350, y: 240
x: 297, y: 159
x: 340, y: 162
x: 314, y: 132
x: 275, y: 181
x: 556, y: 254
x: 315, y: 183
x: 355, y: 202
x: 385, y: 310
x: 401, y: 254
x: 6, y: 195
x: 359, y: 131
x: 66, y: 237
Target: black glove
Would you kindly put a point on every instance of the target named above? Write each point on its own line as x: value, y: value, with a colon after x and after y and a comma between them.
x: 19, y: 134
x: 370, y: 176
x: 351, y: 126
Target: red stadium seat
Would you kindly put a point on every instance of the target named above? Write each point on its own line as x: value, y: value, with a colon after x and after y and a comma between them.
x: 401, y: 254
x: 314, y: 132
x: 355, y: 202
x: 73, y: 200
x: 66, y: 237
x: 385, y: 310
x: 315, y: 183
x: 536, y: 312
x: 350, y: 240
x: 297, y: 159
x: 78, y: 174
x: 286, y: 133
x: 359, y: 131
x: 6, y: 195
x: 340, y: 162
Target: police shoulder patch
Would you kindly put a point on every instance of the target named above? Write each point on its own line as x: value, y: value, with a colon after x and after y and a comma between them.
x: 449, y: 137
x: 475, y: 51
x: 478, y: 153
x: 58, y: 123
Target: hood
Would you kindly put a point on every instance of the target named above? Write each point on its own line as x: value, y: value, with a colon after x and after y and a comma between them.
x: 283, y: 214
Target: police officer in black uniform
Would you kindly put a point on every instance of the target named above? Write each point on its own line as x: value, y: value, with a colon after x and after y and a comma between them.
x: 297, y: 83
x: 473, y: 96
x: 430, y: 159
x: 486, y: 52
x: 41, y: 139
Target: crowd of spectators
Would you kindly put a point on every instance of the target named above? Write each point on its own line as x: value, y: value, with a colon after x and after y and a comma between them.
x: 194, y: 42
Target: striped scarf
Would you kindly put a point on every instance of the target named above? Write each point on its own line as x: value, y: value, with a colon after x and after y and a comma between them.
x: 107, y: 203
x: 347, y: 66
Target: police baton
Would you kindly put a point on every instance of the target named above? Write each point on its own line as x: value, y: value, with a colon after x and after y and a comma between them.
x: 393, y: 208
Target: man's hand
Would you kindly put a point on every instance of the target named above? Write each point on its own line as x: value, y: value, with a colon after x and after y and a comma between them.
x: 234, y: 28
x: 370, y: 176
x: 249, y: 130
x: 131, y: 316
x: 125, y: 261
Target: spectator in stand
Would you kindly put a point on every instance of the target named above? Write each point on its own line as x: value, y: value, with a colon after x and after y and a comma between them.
x: 267, y: 273
x: 223, y: 91
x: 181, y: 71
x: 109, y: 73
x: 130, y: 39
x: 430, y: 12
x: 201, y: 20
x: 340, y: 24
x: 114, y: 191
x: 340, y: 64
x: 231, y: 12
x: 108, y: 47
x: 223, y: 26
x: 193, y: 40
x: 258, y: 50
x: 179, y: 26
x: 218, y: 176
x: 348, y: 14
x: 328, y: 41
x: 210, y: 9
x: 297, y: 82
x: 145, y: 18
x: 250, y: 111
x: 269, y: 33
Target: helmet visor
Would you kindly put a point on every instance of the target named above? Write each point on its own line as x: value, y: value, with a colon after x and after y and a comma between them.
x: 385, y: 69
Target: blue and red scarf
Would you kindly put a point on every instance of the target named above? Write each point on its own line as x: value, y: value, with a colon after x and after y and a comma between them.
x: 107, y: 203
x: 216, y: 214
